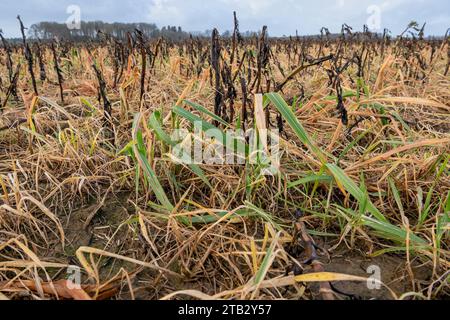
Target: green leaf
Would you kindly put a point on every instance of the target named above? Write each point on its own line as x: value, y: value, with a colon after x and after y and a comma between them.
x: 207, y: 112
x: 384, y: 229
x: 139, y: 152
x: 265, y: 265
x: 154, y: 123
x: 212, y: 131
x: 353, y: 143
x: 354, y: 190
x: 397, y: 197
x: 309, y: 179
x: 293, y: 122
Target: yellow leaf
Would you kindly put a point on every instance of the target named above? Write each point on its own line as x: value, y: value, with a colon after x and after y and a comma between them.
x: 327, y: 277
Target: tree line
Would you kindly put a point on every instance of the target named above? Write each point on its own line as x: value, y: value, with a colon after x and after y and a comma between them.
x: 89, y: 30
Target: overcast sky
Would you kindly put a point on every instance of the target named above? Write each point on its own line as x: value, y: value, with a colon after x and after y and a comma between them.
x: 281, y: 16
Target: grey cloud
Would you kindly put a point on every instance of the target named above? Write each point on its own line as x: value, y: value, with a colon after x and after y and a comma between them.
x: 281, y: 16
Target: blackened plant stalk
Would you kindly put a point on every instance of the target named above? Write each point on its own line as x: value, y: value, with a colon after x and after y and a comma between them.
x: 157, y: 50
x: 231, y: 90
x: 237, y: 39
x: 28, y: 56
x: 117, y: 61
x: 11, y: 87
x: 340, y: 106
x: 241, y: 64
x: 263, y: 60
x: 215, y: 64
x: 142, y: 48
x: 42, y: 72
x: 107, y: 108
x: 58, y: 72
x: 9, y: 65
x: 299, y: 69
x: 244, y: 114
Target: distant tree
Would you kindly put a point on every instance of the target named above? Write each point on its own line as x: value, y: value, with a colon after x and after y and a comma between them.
x: 227, y: 34
x: 89, y: 30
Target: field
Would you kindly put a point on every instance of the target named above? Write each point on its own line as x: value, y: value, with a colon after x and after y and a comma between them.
x: 359, y: 208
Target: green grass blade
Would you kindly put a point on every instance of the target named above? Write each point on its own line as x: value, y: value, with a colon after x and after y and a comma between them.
x: 207, y: 112
x: 309, y: 179
x: 397, y: 197
x: 154, y: 123
x: 293, y: 122
x: 384, y: 229
x: 150, y: 175
x: 355, y: 191
x: 212, y: 131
